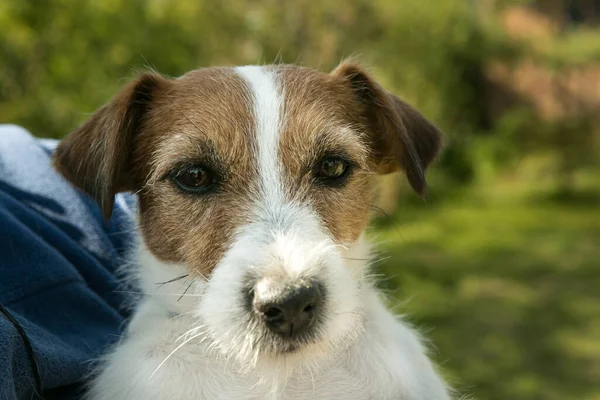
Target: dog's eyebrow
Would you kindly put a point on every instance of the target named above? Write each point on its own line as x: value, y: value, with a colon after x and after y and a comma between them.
x: 186, y: 153
x: 346, y: 142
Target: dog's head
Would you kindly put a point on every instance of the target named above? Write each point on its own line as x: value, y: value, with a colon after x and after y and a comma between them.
x: 259, y: 181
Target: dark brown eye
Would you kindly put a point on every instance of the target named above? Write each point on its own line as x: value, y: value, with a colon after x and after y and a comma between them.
x: 194, y: 179
x: 332, y: 168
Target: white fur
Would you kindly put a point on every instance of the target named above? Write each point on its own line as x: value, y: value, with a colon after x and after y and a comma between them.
x: 202, y: 345
x: 267, y: 107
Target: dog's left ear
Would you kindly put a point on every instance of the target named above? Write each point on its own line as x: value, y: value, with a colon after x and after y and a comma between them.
x: 401, y: 138
x: 95, y: 157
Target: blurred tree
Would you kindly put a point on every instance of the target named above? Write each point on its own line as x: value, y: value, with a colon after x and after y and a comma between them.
x: 61, y: 58
x: 503, y: 97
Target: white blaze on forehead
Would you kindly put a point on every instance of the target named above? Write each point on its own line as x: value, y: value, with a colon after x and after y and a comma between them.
x: 279, y: 213
x: 267, y: 107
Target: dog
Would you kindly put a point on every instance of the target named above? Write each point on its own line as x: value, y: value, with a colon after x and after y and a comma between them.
x: 254, y: 190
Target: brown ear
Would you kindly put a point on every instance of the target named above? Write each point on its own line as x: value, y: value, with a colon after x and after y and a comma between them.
x: 401, y: 137
x: 94, y: 157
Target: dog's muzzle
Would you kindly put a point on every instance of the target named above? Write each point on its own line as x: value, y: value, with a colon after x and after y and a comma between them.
x: 287, y: 310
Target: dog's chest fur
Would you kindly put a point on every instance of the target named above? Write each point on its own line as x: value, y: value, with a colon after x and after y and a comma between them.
x: 386, y: 362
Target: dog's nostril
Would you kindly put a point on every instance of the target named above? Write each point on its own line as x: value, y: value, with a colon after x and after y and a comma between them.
x: 308, y: 308
x: 289, y: 310
x: 273, y: 313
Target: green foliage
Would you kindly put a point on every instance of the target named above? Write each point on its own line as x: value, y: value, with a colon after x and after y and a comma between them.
x: 435, y: 57
x: 60, y: 59
x: 428, y: 55
x: 507, y: 285
x: 576, y: 48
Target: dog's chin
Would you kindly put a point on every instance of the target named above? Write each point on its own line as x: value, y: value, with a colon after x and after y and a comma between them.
x: 266, y: 344
x: 308, y: 348
x: 285, y: 347
x: 271, y: 349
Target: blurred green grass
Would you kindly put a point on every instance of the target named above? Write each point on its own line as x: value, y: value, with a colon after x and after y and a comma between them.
x: 506, y: 287
x: 501, y: 268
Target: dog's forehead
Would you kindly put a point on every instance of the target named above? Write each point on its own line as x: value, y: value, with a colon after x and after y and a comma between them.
x: 263, y: 130
x: 236, y: 109
x: 212, y: 103
x: 225, y: 80
x: 223, y: 86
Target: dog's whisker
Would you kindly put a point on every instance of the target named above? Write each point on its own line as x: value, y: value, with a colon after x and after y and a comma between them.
x: 191, y: 331
x: 186, y: 333
x: 159, y: 284
x: 186, y: 290
x: 159, y: 294
x: 312, y: 377
x: 388, y: 218
x: 378, y: 260
x: 201, y: 275
x: 173, y: 352
x: 181, y: 315
x: 196, y: 328
x: 341, y: 246
x: 371, y: 276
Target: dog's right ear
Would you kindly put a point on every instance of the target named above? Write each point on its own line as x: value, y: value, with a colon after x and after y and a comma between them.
x: 94, y: 157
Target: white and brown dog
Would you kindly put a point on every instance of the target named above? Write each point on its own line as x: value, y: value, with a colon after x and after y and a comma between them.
x: 254, y: 187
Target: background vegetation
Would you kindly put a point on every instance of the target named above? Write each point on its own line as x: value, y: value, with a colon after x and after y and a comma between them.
x: 501, y: 267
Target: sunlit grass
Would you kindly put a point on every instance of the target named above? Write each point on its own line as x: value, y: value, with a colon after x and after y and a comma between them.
x: 506, y: 287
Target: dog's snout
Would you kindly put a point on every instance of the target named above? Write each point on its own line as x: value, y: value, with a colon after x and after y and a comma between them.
x: 289, y: 311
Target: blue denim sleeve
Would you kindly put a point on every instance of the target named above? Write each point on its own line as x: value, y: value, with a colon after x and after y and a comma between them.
x: 58, y: 281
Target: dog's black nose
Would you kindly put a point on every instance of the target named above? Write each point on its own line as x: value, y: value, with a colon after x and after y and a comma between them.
x: 290, y: 311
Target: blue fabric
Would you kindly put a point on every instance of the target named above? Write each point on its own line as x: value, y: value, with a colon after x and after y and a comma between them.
x: 57, y: 271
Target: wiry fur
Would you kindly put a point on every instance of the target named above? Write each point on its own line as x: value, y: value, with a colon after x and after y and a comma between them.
x: 380, y: 357
x: 192, y: 335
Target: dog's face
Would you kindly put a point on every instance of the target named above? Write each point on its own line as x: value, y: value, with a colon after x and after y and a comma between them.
x: 259, y: 181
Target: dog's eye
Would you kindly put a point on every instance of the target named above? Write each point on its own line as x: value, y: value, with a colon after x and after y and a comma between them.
x: 332, y: 168
x: 194, y: 179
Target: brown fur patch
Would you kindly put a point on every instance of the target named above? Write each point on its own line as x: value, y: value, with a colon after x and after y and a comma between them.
x: 155, y: 125
x: 94, y: 157
x: 321, y: 119
x: 400, y: 137
x: 347, y: 112
x: 203, y: 118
